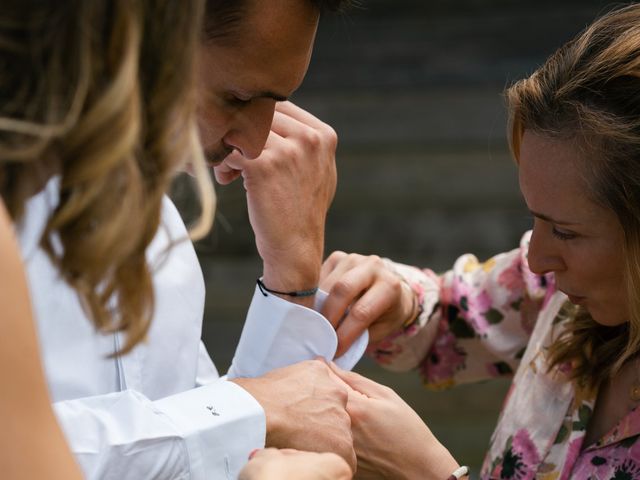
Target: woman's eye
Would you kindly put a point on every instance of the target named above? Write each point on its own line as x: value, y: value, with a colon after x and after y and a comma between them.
x: 562, y: 235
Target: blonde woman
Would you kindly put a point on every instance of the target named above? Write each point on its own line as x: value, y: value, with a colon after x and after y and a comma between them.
x: 31, y: 443
x: 102, y: 103
x: 560, y: 313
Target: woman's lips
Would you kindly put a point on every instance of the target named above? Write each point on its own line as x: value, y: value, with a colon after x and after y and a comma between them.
x: 577, y: 300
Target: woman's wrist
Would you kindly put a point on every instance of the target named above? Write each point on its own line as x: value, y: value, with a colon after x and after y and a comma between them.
x: 433, y: 465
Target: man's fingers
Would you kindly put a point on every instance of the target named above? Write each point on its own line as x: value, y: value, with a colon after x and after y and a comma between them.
x: 360, y: 384
x: 288, y: 126
x: 292, y: 121
x: 234, y: 160
x: 248, y: 167
x: 301, y: 115
x: 225, y: 174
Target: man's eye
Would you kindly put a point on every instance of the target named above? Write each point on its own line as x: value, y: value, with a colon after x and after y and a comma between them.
x: 238, y: 102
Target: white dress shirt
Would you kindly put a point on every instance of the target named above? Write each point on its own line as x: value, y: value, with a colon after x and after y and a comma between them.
x: 160, y: 412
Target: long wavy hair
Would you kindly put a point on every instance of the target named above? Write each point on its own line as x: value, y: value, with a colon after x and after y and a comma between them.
x: 589, y: 92
x: 101, y: 94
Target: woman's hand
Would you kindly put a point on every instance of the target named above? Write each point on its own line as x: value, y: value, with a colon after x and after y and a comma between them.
x: 364, y: 294
x: 274, y: 464
x: 390, y: 439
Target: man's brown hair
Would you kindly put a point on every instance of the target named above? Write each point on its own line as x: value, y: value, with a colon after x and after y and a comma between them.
x: 223, y: 17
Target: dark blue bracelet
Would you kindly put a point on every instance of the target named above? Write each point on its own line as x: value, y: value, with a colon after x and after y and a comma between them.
x: 299, y: 293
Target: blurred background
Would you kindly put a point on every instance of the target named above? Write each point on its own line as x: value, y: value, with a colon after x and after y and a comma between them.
x: 413, y: 88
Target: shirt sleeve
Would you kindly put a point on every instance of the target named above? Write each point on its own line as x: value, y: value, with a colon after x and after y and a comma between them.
x: 278, y: 333
x: 204, y: 433
x: 476, y: 319
x: 207, y: 371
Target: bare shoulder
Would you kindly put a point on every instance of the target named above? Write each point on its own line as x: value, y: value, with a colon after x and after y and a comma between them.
x: 14, y: 297
x: 12, y: 281
x: 29, y: 424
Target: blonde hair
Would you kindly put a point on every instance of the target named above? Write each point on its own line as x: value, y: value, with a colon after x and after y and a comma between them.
x: 101, y: 93
x: 589, y: 92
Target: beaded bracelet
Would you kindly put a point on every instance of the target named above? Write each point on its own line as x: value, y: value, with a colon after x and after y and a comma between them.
x: 459, y: 473
x: 299, y: 293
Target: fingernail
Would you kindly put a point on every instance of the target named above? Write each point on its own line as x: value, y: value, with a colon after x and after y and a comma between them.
x: 253, y: 452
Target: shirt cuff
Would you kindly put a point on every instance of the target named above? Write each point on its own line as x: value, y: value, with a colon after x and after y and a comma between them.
x: 221, y: 424
x: 278, y: 333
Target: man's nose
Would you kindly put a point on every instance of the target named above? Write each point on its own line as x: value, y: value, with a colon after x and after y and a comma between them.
x: 544, y: 255
x: 251, y: 128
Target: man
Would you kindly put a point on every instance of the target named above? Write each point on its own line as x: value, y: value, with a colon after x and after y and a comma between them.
x: 141, y: 416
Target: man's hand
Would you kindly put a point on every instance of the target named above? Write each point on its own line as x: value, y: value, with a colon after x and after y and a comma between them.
x: 364, y: 294
x: 305, y: 406
x: 274, y: 464
x: 289, y: 189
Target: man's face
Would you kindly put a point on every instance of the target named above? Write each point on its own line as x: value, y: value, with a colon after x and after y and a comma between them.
x: 243, y: 76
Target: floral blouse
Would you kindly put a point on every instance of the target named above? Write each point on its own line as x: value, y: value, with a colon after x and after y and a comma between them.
x: 492, y: 319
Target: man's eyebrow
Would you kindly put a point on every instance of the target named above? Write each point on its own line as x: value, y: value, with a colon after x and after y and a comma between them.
x: 547, y: 218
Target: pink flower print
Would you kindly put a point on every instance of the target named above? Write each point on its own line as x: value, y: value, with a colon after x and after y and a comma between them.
x: 478, y: 307
x: 473, y: 308
x: 592, y: 465
x: 447, y: 292
x: 627, y: 468
x: 612, y: 463
x: 497, y: 471
x: 538, y: 286
x: 524, y: 447
x: 444, y: 359
x: 521, y: 459
x: 634, y: 451
x: 570, y: 458
x: 492, y: 369
x: 511, y: 279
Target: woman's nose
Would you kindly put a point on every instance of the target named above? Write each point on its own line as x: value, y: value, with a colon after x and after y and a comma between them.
x: 544, y: 255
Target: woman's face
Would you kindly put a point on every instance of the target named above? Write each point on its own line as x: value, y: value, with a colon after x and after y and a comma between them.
x: 573, y: 237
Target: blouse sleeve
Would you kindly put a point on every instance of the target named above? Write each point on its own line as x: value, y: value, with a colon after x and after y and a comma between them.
x: 475, y: 322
